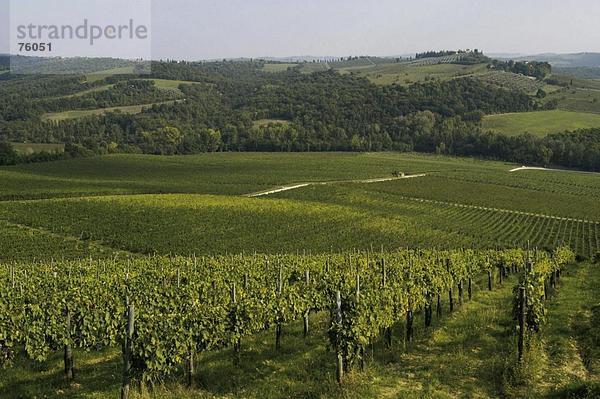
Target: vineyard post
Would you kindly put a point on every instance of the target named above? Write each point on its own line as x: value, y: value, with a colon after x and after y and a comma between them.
x: 237, y: 346
x: 388, y: 330
x: 362, y: 348
x: 522, y: 299
x: 278, y: 327
x: 383, y: 273
x: 190, y: 368
x: 500, y: 274
x: 128, y: 364
x: 460, y: 291
x: 307, y: 313
x: 489, y: 273
x: 428, y: 310
x: 68, y: 355
x: 439, y: 305
x: 451, y: 299
x: 409, y: 323
x: 470, y: 288
x: 340, y: 359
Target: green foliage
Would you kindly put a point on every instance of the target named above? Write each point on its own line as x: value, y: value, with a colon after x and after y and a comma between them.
x: 185, y: 305
x: 8, y: 155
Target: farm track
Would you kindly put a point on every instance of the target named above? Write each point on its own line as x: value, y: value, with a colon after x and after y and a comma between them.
x: 551, y: 170
x: 325, y: 183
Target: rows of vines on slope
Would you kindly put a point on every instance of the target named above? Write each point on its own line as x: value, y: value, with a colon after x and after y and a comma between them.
x: 184, y: 306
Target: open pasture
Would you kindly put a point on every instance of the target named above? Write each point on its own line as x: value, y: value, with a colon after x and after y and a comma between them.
x: 540, y: 123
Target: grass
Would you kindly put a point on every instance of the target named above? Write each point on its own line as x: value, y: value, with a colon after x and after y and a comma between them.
x: 540, y: 123
x: 34, y: 148
x: 75, y: 114
x: 274, y: 68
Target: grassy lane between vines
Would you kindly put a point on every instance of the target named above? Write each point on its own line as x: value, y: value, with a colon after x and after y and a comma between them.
x: 464, y: 356
x: 570, y: 357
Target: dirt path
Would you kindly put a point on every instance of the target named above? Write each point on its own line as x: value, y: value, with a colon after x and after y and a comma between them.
x: 324, y: 183
x: 551, y: 170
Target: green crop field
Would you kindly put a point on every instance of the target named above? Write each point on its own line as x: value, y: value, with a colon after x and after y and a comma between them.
x: 74, y: 114
x: 540, y: 123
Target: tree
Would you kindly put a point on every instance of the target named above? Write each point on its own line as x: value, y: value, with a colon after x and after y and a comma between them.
x: 545, y: 154
x: 164, y: 141
x: 213, y: 140
x: 8, y: 155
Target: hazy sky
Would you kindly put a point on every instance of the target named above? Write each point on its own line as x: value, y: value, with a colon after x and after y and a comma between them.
x: 207, y: 29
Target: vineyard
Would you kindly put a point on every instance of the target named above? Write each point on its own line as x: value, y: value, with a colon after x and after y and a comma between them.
x: 79, y: 238
x: 165, y: 312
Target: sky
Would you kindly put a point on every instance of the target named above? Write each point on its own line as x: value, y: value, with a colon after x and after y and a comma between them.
x: 213, y: 29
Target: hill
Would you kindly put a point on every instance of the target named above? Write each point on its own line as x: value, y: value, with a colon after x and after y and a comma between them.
x: 566, y: 60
